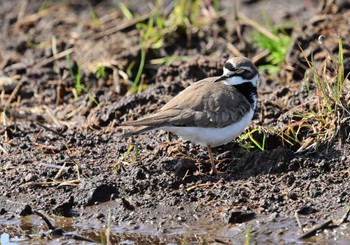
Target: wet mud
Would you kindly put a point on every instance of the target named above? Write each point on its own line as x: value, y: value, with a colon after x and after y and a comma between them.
x: 62, y: 155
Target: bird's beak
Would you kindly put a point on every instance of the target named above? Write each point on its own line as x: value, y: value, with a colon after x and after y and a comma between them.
x: 223, y: 77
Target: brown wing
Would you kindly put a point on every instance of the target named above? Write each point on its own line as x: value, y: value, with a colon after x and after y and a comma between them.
x: 203, y: 104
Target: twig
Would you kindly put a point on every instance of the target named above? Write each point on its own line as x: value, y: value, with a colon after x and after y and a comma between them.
x: 238, y: 24
x: 245, y: 20
x: 215, y: 184
x: 47, y: 221
x: 321, y: 41
x: 61, y: 232
x: 20, y: 15
x: 13, y: 94
x: 38, y: 135
x: 316, y: 228
x: 34, y: 17
x: 185, y: 175
x: 296, y: 215
x: 47, y: 165
x: 63, y: 167
x: 52, y: 116
x: 50, y: 129
x: 44, y: 62
x: 3, y: 149
x: 233, y: 49
x: 53, y: 183
x: 260, y: 56
x: 345, y: 217
x: 122, y: 26
x: 82, y: 238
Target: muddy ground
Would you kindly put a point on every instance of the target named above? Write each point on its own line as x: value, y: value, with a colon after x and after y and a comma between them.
x: 61, y: 154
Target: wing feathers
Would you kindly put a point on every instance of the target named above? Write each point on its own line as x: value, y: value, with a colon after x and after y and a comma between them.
x: 203, y: 104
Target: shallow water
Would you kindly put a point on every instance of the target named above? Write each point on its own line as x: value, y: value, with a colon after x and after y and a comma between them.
x: 32, y: 229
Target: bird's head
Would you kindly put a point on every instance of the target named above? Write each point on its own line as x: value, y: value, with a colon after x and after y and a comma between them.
x: 239, y: 70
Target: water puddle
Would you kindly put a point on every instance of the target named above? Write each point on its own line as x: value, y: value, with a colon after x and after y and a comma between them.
x: 262, y: 230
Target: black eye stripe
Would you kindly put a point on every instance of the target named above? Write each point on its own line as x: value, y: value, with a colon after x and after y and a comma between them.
x: 229, y: 66
x: 247, y: 75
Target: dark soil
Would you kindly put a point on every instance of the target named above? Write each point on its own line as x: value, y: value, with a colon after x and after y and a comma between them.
x: 61, y: 155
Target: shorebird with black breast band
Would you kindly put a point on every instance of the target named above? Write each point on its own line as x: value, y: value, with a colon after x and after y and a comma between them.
x: 210, y: 112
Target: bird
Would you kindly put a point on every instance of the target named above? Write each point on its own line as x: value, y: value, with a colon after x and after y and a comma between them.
x: 210, y: 112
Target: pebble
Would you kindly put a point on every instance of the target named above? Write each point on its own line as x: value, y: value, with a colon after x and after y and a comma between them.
x: 30, y: 177
x: 7, y: 84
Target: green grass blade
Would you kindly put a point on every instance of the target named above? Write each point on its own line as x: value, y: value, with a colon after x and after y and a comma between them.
x: 78, y: 85
x: 125, y: 11
x: 140, y: 70
x: 247, y: 235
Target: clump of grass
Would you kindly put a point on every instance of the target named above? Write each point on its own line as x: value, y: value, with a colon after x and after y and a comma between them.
x: 77, y: 76
x: 276, y: 42
x: 105, y: 237
x: 323, y: 118
x: 329, y: 109
x: 101, y: 72
x: 257, y: 138
x: 119, y: 163
x: 168, y: 60
x: 78, y: 87
x: 253, y: 142
x: 129, y: 150
x: 165, y: 27
x: 94, y: 17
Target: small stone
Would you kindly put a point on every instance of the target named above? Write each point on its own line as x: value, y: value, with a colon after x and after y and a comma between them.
x: 273, y: 217
x: 237, y: 217
x: 293, y: 196
x: 127, y: 205
x: 3, y: 211
x: 306, y: 210
x: 26, y: 211
x: 7, y: 166
x: 30, y: 177
x: 100, y: 216
x: 7, y: 84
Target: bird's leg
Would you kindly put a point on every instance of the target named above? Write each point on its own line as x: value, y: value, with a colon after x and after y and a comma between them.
x: 213, y: 169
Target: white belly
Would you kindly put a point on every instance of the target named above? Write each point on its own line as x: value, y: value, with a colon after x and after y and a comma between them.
x: 212, y: 136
